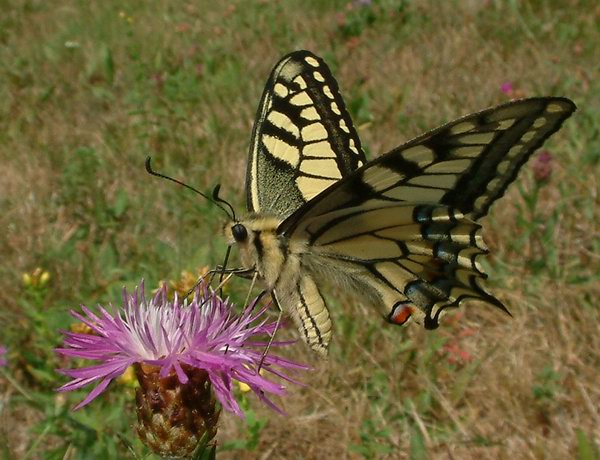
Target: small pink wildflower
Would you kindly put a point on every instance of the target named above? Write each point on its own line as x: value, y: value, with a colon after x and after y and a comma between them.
x: 507, y: 88
x: 542, y: 166
x: 3, y: 360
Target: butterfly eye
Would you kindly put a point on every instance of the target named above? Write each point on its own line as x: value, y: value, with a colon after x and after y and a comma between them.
x: 239, y: 232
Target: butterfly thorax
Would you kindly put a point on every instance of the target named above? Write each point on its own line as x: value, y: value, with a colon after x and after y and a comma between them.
x: 261, y: 247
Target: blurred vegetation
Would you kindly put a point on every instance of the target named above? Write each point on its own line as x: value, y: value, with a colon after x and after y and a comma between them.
x: 89, y: 89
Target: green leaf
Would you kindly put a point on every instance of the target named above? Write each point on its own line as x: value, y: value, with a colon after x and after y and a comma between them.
x: 586, y: 449
x: 418, y: 450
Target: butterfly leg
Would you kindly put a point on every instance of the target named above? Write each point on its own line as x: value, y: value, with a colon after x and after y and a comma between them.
x: 242, y: 272
x: 277, y: 323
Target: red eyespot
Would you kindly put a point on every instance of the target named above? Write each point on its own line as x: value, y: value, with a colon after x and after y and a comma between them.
x: 400, y: 314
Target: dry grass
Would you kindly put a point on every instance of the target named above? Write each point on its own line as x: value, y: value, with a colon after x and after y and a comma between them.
x: 87, y: 93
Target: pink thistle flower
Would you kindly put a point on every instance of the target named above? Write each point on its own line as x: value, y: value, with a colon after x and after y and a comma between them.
x: 3, y: 360
x: 175, y: 336
x: 507, y: 88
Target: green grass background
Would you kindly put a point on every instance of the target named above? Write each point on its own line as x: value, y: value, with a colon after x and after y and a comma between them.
x: 89, y: 89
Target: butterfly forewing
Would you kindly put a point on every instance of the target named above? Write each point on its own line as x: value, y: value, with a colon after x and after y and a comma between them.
x: 303, y: 139
x: 466, y: 164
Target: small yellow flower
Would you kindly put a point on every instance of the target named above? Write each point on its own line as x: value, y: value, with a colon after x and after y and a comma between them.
x: 38, y: 278
x: 80, y: 328
x: 128, y: 378
x: 44, y: 278
x: 187, y: 281
x: 244, y: 387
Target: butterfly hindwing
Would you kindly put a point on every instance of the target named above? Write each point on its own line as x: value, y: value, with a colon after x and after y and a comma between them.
x: 303, y: 139
x: 425, y: 255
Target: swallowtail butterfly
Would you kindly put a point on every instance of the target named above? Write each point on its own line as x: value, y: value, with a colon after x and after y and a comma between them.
x: 403, y: 229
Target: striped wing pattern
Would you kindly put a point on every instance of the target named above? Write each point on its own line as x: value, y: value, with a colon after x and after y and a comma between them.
x: 310, y: 314
x: 303, y: 139
x: 423, y: 255
x: 405, y: 222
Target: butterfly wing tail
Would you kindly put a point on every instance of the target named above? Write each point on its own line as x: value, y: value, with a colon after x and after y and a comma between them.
x: 449, y: 271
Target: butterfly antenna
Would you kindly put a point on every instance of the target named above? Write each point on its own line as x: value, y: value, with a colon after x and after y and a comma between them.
x: 215, y: 201
x: 218, y: 199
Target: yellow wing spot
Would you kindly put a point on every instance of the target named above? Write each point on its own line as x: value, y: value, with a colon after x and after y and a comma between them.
x: 493, y: 184
x: 461, y: 234
x: 528, y: 136
x: 539, y: 122
x: 380, y: 178
x: 321, y: 167
x: 462, y: 127
x: 503, y: 166
x: 512, y: 112
x: 283, y: 121
x: 479, y: 202
x: 300, y: 82
x: 514, y: 151
x: 477, y: 138
x: 343, y: 126
x: 314, y: 132
x: 353, y: 146
x: 505, y: 124
x: 311, y: 61
x: 439, y: 180
x: 280, y: 90
x: 310, y: 113
x: 415, y: 194
x: 318, y: 76
x: 469, y: 151
x: 450, y: 166
x: 319, y: 149
x: 282, y: 150
x: 311, y: 186
x: 440, y: 214
x: 419, y: 154
x: 327, y: 92
x: 555, y: 107
x: 335, y: 109
x: 300, y: 99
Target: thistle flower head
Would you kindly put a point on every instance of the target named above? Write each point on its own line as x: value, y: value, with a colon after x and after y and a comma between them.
x: 170, y: 335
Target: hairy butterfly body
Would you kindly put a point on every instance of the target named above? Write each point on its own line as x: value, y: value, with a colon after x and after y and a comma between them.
x: 401, y: 230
